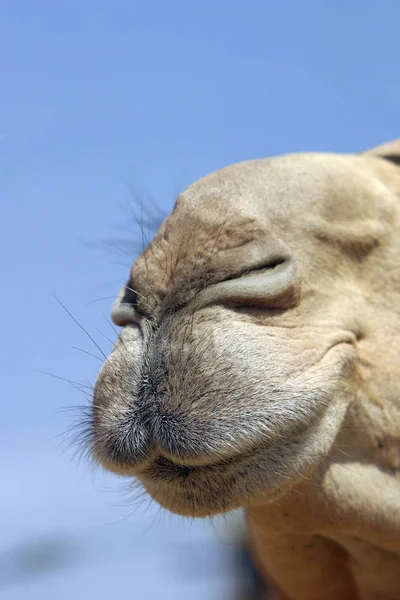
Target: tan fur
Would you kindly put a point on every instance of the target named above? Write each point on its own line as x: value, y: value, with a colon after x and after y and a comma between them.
x: 259, y: 367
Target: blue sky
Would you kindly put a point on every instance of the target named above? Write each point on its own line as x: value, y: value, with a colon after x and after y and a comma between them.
x: 102, y: 98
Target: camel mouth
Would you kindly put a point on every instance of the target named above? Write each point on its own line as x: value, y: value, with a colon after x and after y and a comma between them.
x: 221, y: 487
x: 164, y: 447
x: 168, y: 470
x: 194, y: 466
x: 161, y: 468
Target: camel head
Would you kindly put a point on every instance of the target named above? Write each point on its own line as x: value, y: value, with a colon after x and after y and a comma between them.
x: 249, y: 327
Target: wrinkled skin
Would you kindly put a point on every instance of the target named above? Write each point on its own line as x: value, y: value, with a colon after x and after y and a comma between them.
x: 258, y: 367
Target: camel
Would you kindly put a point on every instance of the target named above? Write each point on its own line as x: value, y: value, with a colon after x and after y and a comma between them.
x: 258, y: 367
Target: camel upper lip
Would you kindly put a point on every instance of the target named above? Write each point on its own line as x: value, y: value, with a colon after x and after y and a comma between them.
x: 157, y: 463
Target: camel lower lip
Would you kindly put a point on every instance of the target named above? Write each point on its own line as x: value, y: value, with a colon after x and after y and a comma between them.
x: 201, y: 491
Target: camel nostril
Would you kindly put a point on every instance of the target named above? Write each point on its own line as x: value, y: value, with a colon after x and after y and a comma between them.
x: 124, y: 310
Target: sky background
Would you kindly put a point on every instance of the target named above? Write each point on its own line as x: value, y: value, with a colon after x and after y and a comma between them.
x: 100, y: 101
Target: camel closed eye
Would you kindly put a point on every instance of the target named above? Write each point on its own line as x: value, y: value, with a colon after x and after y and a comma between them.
x: 274, y: 284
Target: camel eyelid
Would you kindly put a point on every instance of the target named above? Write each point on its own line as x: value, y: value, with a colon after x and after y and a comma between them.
x: 267, y: 266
